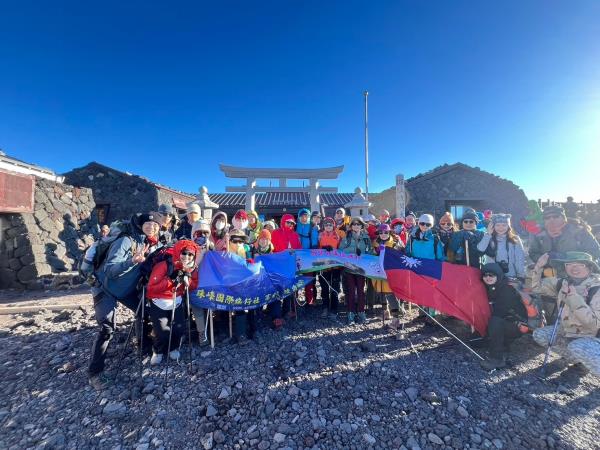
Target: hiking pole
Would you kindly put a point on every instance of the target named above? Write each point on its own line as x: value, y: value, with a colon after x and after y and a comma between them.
x: 468, y: 265
x: 171, y: 332
x: 450, y: 333
x: 230, y: 325
x: 142, y: 331
x: 189, y: 317
x: 551, y: 341
x: 212, y: 329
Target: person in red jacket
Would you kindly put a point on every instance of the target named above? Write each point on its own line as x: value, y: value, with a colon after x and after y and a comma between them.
x: 284, y: 238
x: 165, y: 291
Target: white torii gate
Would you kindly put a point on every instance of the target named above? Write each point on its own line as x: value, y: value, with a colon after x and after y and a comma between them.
x: 282, y: 175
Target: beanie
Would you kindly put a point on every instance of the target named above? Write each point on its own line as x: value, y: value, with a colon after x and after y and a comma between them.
x: 426, y: 218
x: 554, y: 210
x: 501, y: 218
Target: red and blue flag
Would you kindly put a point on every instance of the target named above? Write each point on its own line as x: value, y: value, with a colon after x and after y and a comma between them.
x: 449, y: 288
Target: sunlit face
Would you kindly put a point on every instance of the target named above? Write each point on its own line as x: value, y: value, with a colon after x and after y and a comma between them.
x: 150, y: 228
x: 424, y: 226
x: 316, y: 220
x: 187, y: 258
x: 410, y: 221
x: 490, y: 278
x: 577, y: 270
x: 252, y: 220
x: 445, y: 225
x: 384, y: 217
x: 193, y: 216
x: 105, y: 230
x: 339, y: 214
x: 501, y: 228
x: 304, y: 218
x: 263, y: 242
x: 289, y: 224
x: 469, y: 224
x: 329, y: 227
x: 356, y: 227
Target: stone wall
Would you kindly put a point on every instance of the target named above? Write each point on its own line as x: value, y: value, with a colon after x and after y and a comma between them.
x: 50, y: 240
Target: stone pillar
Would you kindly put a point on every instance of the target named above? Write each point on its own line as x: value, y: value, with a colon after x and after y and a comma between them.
x: 315, y: 198
x: 206, y: 205
x: 400, y: 196
x: 250, y: 194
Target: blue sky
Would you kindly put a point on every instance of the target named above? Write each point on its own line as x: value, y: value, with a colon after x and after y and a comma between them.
x: 169, y: 91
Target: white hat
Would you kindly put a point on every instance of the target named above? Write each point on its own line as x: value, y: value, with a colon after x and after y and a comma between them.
x: 194, y: 208
x: 200, y: 225
x: 426, y: 218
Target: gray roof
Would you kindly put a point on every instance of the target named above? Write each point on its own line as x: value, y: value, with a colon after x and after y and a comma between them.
x: 283, y: 199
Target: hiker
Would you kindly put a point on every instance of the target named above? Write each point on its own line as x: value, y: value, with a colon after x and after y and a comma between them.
x: 104, y: 231
x: 410, y: 221
x: 445, y: 229
x: 372, y: 224
x: 284, y: 239
x: 469, y: 236
x: 218, y: 231
x: 329, y: 240
x: 238, y: 244
x: 500, y: 244
x: 263, y: 245
x: 166, y: 213
x: 508, y: 314
x: 165, y: 291
x: 185, y: 227
x: 244, y: 321
x: 269, y: 225
x: 423, y: 243
x: 398, y: 230
x: 254, y: 227
x: 356, y: 242
x: 309, y: 238
x: 117, y: 282
x: 315, y: 220
x: 342, y: 222
x: 201, y: 237
x: 384, y: 217
x: 578, y: 334
x: 562, y: 235
x: 384, y: 239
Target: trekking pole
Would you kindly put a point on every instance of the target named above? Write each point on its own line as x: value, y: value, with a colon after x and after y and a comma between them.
x: 230, y: 325
x: 142, y: 319
x: 468, y: 265
x: 212, y: 329
x: 189, y: 317
x: 171, y: 333
x: 450, y: 333
x: 551, y: 341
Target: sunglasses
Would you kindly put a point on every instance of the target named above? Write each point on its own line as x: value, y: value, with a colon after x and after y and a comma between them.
x: 290, y: 222
x: 445, y: 224
x: 424, y: 224
x: 357, y: 224
x: 339, y: 212
x: 468, y: 221
x: 383, y: 232
x: 490, y: 275
x: 237, y: 241
x: 575, y: 264
x: 328, y: 224
x: 187, y: 254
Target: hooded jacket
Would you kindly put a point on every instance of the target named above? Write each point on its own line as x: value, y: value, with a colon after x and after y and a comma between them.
x: 118, y: 274
x: 253, y: 233
x: 500, y: 249
x: 160, y: 284
x: 505, y: 302
x: 219, y: 238
x: 457, y: 245
x: 351, y: 243
x: 426, y: 246
x: 308, y: 233
x: 283, y: 238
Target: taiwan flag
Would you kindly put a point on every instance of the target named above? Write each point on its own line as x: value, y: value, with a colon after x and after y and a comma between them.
x: 449, y: 288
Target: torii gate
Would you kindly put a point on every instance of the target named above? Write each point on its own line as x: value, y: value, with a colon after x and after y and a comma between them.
x: 282, y: 175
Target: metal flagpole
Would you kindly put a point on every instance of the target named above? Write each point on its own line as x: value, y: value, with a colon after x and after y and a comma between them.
x: 366, y: 94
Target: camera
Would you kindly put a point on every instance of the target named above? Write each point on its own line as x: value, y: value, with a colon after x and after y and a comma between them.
x: 504, y: 266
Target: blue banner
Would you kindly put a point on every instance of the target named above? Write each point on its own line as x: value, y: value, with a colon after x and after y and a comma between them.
x: 227, y: 282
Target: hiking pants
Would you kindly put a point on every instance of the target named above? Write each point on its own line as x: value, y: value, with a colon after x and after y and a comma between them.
x: 330, y: 288
x: 161, y: 324
x: 500, y: 333
x: 200, y: 319
x: 354, y: 287
x: 584, y: 350
x: 105, y: 311
x: 244, y: 323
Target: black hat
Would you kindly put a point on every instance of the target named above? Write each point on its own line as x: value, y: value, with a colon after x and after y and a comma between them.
x: 315, y: 214
x: 143, y: 218
x: 554, y: 210
x: 166, y: 209
x: 470, y: 214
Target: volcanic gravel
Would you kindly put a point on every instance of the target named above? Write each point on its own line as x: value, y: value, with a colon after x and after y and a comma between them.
x: 317, y: 384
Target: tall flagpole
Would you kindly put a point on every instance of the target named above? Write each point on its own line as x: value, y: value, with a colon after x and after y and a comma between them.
x: 366, y: 94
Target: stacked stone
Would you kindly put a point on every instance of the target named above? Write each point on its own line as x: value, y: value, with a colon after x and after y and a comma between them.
x: 49, y: 241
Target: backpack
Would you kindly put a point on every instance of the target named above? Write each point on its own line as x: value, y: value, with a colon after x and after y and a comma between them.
x: 95, y: 254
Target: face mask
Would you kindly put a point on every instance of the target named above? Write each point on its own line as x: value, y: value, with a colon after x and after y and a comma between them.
x: 219, y: 225
x: 189, y: 264
x: 201, y: 241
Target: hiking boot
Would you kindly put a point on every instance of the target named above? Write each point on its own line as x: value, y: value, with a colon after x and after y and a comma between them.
x: 99, y: 381
x: 362, y: 318
x: 156, y: 359
x: 324, y: 314
x: 350, y: 318
x: 174, y: 355
x: 493, y: 363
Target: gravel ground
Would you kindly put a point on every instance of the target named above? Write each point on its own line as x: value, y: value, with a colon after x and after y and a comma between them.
x: 315, y: 385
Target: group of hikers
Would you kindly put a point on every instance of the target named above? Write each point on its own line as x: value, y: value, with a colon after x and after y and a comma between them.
x: 151, y: 262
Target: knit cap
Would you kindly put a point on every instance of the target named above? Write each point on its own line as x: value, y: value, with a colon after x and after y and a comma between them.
x: 501, y: 218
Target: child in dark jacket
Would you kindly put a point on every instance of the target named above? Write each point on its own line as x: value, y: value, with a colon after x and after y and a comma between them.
x: 464, y: 242
x: 508, y: 312
x: 165, y: 291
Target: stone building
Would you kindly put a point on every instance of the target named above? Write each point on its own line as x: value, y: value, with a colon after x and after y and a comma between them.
x: 453, y: 188
x: 119, y: 195
x: 44, y: 233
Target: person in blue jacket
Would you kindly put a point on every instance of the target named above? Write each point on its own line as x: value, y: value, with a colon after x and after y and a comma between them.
x: 423, y: 243
x: 309, y: 238
x: 468, y: 236
x: 118, y: 277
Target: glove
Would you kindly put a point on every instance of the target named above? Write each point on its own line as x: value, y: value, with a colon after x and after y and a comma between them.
x: 328, y: 248
x: 173, y: 275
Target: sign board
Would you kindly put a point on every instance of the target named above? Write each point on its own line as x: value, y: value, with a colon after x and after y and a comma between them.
x: 16, y: 192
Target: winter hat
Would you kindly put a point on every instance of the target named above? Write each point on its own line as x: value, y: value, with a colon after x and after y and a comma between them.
x: 265, y: 234
x: 410, y: 213
x: 501, y: 218
x: 383, y: 228
x: 370, y: 218
x: 235, y: 233
x: 384, y: 212
x: 340, y: 209
x: 200, y: 225
x: 553, y: 210
x: 357, y: 219
x: 329, y: 220
x: 571, y: 257
x: 240, y: 214
x: 426, y: 218
x: 143, y: 218
x: 194, y: 208
x: 398, y: 221
x: 166, y: 209
x: 470, y: 214
x: 315, y: 214
x: 270, y: 223
x: 495, y: 269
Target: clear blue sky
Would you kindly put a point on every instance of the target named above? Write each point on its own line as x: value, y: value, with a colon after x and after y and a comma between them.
x: 169, y: 90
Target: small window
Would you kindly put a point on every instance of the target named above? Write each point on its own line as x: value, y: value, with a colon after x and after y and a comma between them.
x: 360, y: 212
x: 102, y: 213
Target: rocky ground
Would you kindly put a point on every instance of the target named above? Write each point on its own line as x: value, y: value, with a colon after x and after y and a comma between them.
x: 315, y: 385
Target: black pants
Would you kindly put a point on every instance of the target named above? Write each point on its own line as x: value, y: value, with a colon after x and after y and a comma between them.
x: 501, y: 333
x: 330, y: 294
x: 105, y: 310
x: 244, y: 323
x: 161, y: 324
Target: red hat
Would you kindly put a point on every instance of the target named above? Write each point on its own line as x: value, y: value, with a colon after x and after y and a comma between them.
x: 241, y: 215
x: 397, y: 220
